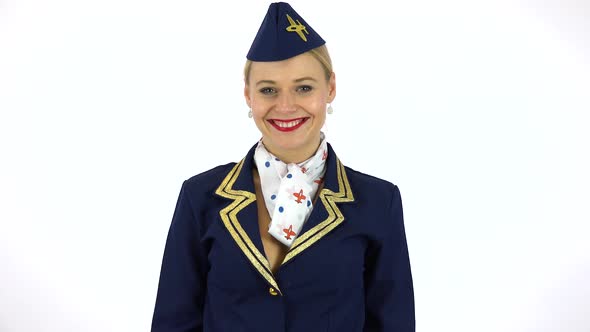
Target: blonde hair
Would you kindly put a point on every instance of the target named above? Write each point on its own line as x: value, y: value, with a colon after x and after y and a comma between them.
x: 320, y: 53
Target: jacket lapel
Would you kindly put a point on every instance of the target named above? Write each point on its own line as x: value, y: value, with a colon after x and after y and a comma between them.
x: 325, y: 215
x: 240, y: 216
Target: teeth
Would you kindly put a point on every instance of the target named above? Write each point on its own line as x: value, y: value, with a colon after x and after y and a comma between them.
x: 289, y: 124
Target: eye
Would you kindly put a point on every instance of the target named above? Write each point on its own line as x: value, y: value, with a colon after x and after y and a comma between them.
x: 267, y: 91
x: 304, y: 88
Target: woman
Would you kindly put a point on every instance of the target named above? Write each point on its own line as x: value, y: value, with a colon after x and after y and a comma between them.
x: 287, y: 239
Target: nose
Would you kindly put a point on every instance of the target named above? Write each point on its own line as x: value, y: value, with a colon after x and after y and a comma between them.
x: 286, y: 103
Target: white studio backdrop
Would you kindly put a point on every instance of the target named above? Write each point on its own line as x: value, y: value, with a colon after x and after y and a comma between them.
x: 478, y: 110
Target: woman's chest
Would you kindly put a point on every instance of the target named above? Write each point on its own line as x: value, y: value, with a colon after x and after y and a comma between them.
x: 335, y: 260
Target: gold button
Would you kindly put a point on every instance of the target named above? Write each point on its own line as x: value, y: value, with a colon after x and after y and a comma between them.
x: 273, y: 291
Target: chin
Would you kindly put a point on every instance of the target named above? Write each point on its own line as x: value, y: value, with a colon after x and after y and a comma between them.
x: 290, y: 142
x: 289, y: 145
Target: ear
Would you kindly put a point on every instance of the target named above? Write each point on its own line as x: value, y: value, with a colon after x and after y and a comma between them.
x: 332, y: 88
x: 247, y: 95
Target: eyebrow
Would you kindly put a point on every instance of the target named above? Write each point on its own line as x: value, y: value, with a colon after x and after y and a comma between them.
x: 306, y: 78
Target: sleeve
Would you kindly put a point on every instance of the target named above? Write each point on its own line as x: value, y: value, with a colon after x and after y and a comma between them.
x: 389, y: 292
x: 181, y: 289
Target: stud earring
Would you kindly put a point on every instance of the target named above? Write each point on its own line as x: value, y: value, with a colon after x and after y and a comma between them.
x: 330, y: 109
x: 250, y: 113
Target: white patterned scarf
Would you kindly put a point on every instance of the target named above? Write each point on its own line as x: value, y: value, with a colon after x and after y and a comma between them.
x: 289, y: 189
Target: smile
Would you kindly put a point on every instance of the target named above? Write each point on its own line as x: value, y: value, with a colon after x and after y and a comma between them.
x: 287, y: 125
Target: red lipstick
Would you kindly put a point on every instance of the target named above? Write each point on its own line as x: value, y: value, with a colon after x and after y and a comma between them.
x: 287, y: 124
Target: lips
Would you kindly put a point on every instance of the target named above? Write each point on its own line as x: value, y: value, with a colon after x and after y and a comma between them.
x: 287, y: 124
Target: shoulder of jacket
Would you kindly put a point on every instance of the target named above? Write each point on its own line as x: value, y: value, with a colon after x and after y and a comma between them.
x: 364, y: 179
x: 208, y: 180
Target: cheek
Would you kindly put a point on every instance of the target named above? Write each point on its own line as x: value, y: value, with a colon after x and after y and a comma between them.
x: 317, y: 107
x: 257, y: 108
x: 259, y: 122
x: 321, y: 117
x: 259, y: 104
x: 258, y: 112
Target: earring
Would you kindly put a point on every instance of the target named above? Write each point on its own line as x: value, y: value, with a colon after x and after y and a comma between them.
x: 330, y: 109
x: 250, y: 113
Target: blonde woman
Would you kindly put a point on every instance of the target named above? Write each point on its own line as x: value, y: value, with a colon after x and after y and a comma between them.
x: 288, y: 238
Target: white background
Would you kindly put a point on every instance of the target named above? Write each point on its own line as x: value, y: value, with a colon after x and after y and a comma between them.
x: 478, y: 110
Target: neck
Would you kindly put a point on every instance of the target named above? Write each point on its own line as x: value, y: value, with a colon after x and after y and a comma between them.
x: 296, y: 155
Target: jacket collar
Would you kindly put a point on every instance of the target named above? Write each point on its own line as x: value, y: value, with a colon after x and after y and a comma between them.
x: 240, y: 216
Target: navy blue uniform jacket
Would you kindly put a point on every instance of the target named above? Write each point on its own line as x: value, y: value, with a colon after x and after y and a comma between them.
x: 347, y: 271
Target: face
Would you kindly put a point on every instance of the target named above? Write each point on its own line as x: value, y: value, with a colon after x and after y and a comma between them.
x: 288, y: 100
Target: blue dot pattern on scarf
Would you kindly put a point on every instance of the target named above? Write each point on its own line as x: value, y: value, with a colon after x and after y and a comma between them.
x: 289, y: 176
x: 267, y: 164
x: 273, y: 196
x: 277, y: 159
x: 308, y: 202
x: 281, y: 209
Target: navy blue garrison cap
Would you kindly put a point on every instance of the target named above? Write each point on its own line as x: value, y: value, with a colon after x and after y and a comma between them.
x: 282, y: 35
